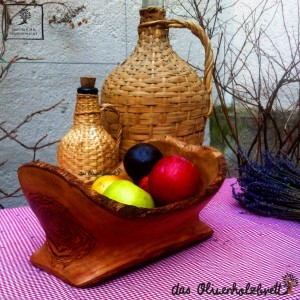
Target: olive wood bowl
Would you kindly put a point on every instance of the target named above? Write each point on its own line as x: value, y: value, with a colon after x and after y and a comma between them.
x: 90, y: 237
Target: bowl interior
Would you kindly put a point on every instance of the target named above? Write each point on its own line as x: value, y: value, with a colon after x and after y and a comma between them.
x: 209, y: 161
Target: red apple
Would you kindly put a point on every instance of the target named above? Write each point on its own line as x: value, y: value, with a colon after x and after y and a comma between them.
x: 173, y: 178
x: 143, y: 184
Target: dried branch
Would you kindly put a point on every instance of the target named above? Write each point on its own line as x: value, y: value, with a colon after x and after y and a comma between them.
x: 34, y: 148
x: 12, y: 134
x: 28, y: 119
x: 258, y: 90
x: 4, y: 70
x: 13, y: 194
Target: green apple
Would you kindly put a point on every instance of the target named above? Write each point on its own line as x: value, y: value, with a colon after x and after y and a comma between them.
x: 127, y: 192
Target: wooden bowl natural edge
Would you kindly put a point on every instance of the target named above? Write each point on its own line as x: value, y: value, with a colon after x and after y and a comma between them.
x: 131, y: 211
x: 83, y: 228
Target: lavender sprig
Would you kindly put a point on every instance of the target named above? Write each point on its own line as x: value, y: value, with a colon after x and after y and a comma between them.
x: 271, y: 188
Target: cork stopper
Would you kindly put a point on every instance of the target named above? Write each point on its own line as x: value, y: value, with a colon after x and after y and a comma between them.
x: 87, y: 85
x: 88, y: 81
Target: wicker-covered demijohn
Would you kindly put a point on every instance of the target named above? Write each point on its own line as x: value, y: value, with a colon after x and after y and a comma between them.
x: 156, y: 91
x: 88, y: 150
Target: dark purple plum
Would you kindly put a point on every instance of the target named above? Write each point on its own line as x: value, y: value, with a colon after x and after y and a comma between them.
x: 140, y: 159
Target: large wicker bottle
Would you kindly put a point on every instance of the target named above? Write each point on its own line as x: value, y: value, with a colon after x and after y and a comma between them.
x: 88, y: 150
x: 156, y: 91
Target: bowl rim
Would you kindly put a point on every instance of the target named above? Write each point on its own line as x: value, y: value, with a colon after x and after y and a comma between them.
x: 131, y: 211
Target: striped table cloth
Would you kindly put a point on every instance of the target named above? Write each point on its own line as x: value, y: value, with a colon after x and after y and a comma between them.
x: 247, y: 257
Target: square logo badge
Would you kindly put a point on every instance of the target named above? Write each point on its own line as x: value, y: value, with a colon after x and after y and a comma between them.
x: 24, y: 22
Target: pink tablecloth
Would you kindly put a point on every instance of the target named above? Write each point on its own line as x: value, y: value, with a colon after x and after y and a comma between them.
x: 244, y: 249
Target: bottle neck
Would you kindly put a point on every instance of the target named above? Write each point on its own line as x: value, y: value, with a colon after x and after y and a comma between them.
x: 152, y: 33
x: 87, y: 111
x: 152, y: 13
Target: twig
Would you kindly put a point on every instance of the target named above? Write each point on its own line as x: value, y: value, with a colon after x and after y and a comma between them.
x: 258, y: 90
x: 28, y: 119
x: 12, y: 134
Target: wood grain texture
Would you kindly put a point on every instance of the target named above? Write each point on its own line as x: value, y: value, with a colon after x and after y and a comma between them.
x: 90, y: 237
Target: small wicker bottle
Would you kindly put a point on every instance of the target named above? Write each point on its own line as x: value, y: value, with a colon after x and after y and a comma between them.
x: 88, y: 150
x: 156, y: 91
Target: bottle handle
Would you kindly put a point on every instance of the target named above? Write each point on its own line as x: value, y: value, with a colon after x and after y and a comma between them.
x: 111, y: 108
x: 199, y: 32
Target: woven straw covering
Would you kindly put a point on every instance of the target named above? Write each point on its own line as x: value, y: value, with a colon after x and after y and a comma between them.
x: 156, y: 91
x: 87, y: 150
